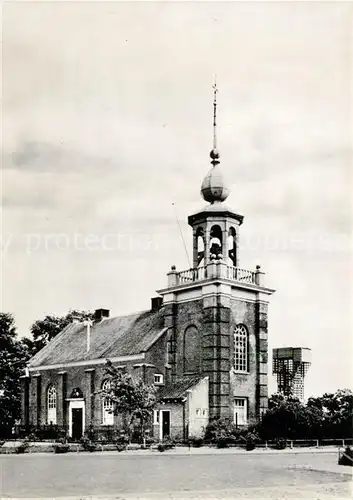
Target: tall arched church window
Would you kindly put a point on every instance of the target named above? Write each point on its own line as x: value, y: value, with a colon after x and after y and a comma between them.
x: 241, y: 348
x: 192, y: 350
x: 51, y: 405
x: 107, y: 406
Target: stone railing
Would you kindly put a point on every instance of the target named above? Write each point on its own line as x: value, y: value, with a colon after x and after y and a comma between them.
x: 215, y: 269
x: 238, y: 274
x: 190, y: 275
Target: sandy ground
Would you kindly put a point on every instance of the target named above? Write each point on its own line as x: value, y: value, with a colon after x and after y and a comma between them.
x: 200, y: 473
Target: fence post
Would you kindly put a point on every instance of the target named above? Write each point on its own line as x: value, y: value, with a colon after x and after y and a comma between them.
x: 266, y: 445
x: 291, y: 444
x: 343, y: 442
x: 317, y: 443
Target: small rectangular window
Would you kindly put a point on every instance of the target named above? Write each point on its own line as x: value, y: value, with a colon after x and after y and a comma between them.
x: 156, y: 416
x: 158, y: 378
x: 198, y: 412
x: 204, y: 412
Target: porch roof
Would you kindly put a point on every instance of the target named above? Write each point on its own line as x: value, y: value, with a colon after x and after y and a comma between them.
x: 178, y: 390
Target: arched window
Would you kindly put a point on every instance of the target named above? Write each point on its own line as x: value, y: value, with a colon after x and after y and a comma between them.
x: 51, y: 405
x: 107, y: 406
x: 192, y: 350
x: 241, y: 341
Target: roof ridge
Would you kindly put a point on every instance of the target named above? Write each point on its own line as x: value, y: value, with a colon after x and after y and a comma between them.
x: 126, y: 315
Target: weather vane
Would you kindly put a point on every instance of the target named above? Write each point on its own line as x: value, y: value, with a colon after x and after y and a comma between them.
x: 215, y: 90
x: 214, y: 153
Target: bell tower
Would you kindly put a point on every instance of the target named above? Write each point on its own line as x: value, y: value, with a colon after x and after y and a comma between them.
x: 216, y: 312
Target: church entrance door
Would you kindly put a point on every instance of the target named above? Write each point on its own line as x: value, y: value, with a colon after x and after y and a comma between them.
x: 77, y: 426
x: 76, y: 418
x: 165, y: 423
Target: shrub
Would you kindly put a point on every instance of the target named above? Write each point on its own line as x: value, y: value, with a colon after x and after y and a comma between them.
x: 88, y: 444
x: 222, y: 432
x: 222, y: 442
x: 150, y: 441
x: 46, y: 433
x: 121, y: 442
x: 22, y: 447
x: 281, y: 444
x: 168, y: 443
x: 196, y: 441
x: 61, y: 448
x: 250, y: 439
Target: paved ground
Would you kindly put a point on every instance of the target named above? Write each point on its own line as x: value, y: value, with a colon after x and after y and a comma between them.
x: 220, y: 475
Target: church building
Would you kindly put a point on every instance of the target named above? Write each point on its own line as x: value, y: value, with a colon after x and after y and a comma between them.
x: 203, y: 342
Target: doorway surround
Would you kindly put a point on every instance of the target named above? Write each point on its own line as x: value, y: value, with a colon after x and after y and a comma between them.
x: 73, y: 404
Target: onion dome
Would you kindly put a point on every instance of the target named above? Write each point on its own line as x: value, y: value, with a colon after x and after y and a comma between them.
x: 213, y: 187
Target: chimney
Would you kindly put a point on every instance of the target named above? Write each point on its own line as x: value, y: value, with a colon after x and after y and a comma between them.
x: 88, y: 324
x: 156, y: 303
x: 100, y: 314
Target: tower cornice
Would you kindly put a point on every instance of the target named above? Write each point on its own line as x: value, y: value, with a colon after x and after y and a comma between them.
x: 210, y: 213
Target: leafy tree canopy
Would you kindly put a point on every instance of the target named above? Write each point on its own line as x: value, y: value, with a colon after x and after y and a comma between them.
x: 131, y: 398
x: 44, y: 330
x: 14, y: 354
x: 279, y: 399
x: 328, y: 416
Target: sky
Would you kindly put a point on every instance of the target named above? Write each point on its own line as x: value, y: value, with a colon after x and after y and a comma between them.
x: 107, y: 121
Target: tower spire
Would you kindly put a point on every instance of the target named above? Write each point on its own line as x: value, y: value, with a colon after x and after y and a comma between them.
x: 213, y: 187
x: 214, y: 154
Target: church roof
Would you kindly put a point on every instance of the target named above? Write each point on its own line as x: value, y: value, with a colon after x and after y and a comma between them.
x: 112, y: 337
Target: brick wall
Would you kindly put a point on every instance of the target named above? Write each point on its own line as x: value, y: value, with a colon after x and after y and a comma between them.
x: 176, y: 421
x: 216, y: 316
x: 244, y: 385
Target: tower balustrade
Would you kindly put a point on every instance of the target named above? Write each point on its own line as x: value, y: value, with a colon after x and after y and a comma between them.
x: 215, y: 269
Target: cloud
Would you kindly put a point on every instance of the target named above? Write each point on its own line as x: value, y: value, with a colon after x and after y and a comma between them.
x: 44, y: 157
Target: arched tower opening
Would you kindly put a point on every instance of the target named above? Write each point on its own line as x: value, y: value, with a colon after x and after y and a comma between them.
x: 232, y: 247
x: 200, y: 241
x: 215, y: 245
